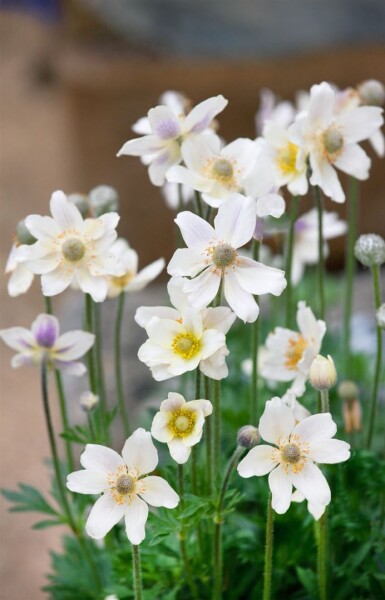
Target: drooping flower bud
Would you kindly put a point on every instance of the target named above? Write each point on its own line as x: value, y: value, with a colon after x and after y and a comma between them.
x: 352, y: 415
x: 248, y: 436
x: 81, y: 202
x: 372, y: 92
x: 88, y: 401
x: 380, y: 316
x: 323, y: 374
x: 103, y: 199
x: 348, y: 390
x: 24, y: 236
x: 370, y: 249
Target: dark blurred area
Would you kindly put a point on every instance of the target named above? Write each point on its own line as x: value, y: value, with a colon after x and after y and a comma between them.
x: 75, y: 75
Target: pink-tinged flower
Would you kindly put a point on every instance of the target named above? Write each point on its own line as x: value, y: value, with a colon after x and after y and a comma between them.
x: 291, y: 461
x: 70, y: 249
x: 179, y: 424
x: 131, y: 280
x: 212, y: 254
x: 43, y: 342
x: 125, y: 488
x: 216, y: 172
x: 330, y: 139
x: 305, y: 247
x: 289, y: 354
x: 169, y: 130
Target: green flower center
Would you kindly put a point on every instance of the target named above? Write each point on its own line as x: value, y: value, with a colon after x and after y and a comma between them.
x: 222, y: 170
x: 125, y: 485
x: 333, y: 140
x: 224, y: 255
x: 291, y: 453
x: 73, y: 250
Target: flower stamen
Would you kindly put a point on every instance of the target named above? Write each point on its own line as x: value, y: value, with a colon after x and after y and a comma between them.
x: 186, y: 345
x: 224, y: 255
x: 73, y: 249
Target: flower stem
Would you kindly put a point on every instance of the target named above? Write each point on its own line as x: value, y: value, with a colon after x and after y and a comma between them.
x: 321, y: 259
x: 289, y: 259
x: 182, y: 535
x: 268, y: 550
x: 377, y: 371
x: 350, y: 265
x: 217, y: 555
x: 217, y: 426
x: 198, y: 200
x: 99, y: 367
x: 118, y: 365
x: 209, y: 449
x: 137, y: 573
x: 324, y: 401
x: 254, y: 354
x: 322, y: 526
x: 92, y: 372
x: 62, y: 400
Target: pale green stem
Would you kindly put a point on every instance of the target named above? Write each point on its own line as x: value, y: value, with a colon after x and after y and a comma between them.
x: 254, y: 353
x: 217, y: 427
x: 217, y: 555
x: 118, y: 364
x: 350, y: 267
x: 182, y: 535
x: 62, y: 400
x: 198, y: 200
x: 137, y: 573
x: 322, y: 526
x: 289, y: 260
x: 377, y: 371
x: 100, y: 367
x: 268, y: 551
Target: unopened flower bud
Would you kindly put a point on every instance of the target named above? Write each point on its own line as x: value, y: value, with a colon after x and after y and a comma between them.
x: 323, y: 374
x: 88, y: 401
x: 348, y: 390
x: 103, y: 199
x: 352, y: 415
x: 372, y: 92
x: 370, y: 250
x: 380, y: 316
x: 24, y: 236
x: 81, y: 202
x: 248, y: 436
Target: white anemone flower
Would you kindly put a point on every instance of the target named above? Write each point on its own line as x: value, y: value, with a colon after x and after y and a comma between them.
x: 316, y: 510
x: 291, y: 461
x: 125, y: 487
x: 305, y: 247
x: 179, y: 424
x: 214, y: 171
x: 212, y: 254
x: 131, y: 280
x: 291, y: 353
x: 43, y: 342
x: 169, y: 130
x: 271, y: 108
x: 330, y: 139
x: 21, y: 278
x: 70, y: 249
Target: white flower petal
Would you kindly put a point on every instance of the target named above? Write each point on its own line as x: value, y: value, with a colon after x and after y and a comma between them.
x: 56, y: 281
x: 183, y: 176
x: 325, y: 176
x: 65, y: 213
x: 196, y: 232
x: 329, y: 451
x: 271, y: 205
x: 20, y: 281
x: 87, y: 482
x: 160, y: 426
x: 96, y: 287
x: 316, y: 428
x: 135, y: 519
x: 220, y: 318
x: 144, y: 314
x: 186, y: 261
x: 211, y: 341
x: 173, y: 403
x: 360, y: 123
x: 354, y: 161
x: 178, y: 297
x: 322, y: 102
x: 202, y: 289
x: 139, y: 452
x: 235, y: 221
x: 311, y: 329
x: 161, y: 164
x: 42, y: 227
x: 164, y: 123
x: 256, y: 278
x: 204, y: 405
x: 281, y: 487
x: 146, y: 275
x: 242, y: 302
x: 149, y: 144
x: 312, y: 483
x: 276, y: 422
x: 257, y: 462
x: 18, y: 338
x: 164, y: 331
x: 200, y: 117
x: 100, y: 459
x: 179, y: 452
x: 157, y: 492
x: 73, y: 345
x: 103, y: 516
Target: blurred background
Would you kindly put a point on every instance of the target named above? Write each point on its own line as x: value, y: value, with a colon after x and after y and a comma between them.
x: 75, y: 75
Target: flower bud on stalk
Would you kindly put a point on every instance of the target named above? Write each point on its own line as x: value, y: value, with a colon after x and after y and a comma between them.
x: 103, y: 199
x: 88, y: 401
x: 372, y: 92
x: 323, y: 374
x: 370, y: 250
x: 248, y: 436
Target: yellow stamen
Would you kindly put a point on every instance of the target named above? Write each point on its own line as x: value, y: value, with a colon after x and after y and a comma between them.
x: 294, y: 351
x: 182, y: 423
x: 287, y: 159
x: 123, y: 280
x: 186, y: 345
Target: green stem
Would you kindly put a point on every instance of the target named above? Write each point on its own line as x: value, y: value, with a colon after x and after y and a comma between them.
x: 217, y: 555
x: 198, y: 200
x: 91, y: 362
x: 137, y: 573
x: 377, y: 371
x: 99, y: 369
x: 118, y: 364
x: 217, y: 426
x: 62, y: 400
x: 254, y: 353
x: 350, y: 267
x: 289, y: 259
x: 182, y: 535
x: 321, y: 557
x: 209, y: 439
x: 324, y: 401
x: 268, y: 551
x: 321, y: 258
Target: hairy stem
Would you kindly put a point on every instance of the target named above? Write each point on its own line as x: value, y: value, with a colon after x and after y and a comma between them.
x: 268, y: 551
x: 350, y: 267
x: 137, y: 573
x: 377, y: 370
x: 118, y: 364
x: 289, y: 260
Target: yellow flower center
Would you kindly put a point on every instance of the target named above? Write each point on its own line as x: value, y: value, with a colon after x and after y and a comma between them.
x: 224, y: 255
x: 291, y: 453
x: 333, y: 142
x: 123, y: 280
x: 222, y: 170
x: 287, y: 159
x: 182, y: 423
x: 294, y: 351
x: 73, y: 249
x: 186, y: 345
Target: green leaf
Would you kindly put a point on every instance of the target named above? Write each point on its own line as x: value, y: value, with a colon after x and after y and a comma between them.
x: 28, y: 499
x: 47, y: 523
